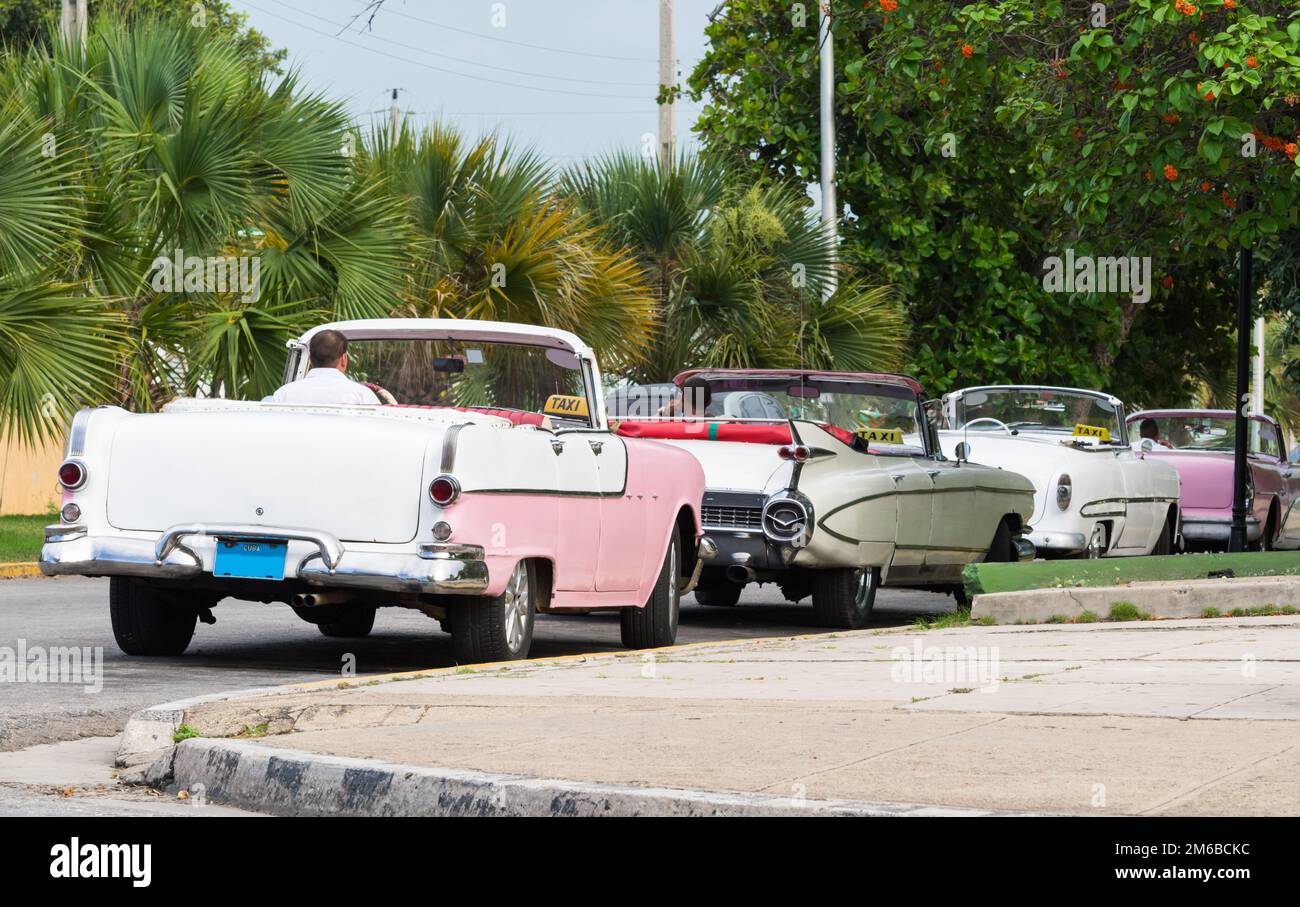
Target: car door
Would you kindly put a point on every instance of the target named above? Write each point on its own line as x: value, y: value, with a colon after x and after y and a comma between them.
x: 577, y: 487
x: 623, y: 510
x: 956, y: 526
x: 914, y: 502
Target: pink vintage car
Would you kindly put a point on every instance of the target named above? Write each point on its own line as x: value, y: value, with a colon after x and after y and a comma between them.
x: 1199, y: 444
x: 488, y: 489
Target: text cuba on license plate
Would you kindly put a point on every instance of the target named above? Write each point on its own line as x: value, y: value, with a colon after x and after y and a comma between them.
x: 250, y: 558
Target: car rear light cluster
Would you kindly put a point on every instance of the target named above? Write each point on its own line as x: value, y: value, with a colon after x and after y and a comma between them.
x: 444, y: 490
x: 800, y: 453
x: 72, y: 474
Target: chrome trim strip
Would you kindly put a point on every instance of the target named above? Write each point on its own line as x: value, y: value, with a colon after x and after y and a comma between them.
x: 76, y: 446
x: 329, y: 547
x: 449, y: 441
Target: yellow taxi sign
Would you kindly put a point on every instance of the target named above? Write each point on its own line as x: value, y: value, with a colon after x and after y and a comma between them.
x: 565, y: 405
x: 1101, y: 433
x: 880, y: 435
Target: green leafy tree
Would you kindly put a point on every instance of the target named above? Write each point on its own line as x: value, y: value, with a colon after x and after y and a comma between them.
x: 977, y: 139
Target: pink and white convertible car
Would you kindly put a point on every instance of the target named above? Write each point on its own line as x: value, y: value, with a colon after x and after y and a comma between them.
x: 1199, y: 443
x: 489, y: 490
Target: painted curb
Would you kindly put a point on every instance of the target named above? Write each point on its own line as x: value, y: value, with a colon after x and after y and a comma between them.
x: 20, y: 571
x: 288, y: 782
x: 1181, y: 599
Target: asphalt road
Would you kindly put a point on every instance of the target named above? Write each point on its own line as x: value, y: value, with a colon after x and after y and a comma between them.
x: 253, y: 645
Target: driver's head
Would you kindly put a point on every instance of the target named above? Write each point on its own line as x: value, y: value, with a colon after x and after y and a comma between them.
x: 1149, y: 429
x: 329, y: 349
x: 696, y: 396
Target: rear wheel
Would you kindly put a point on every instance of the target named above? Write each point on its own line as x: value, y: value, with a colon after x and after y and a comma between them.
x: 499, y: 628
x: 145, y: 621
x: 655, y: 625
x: 358, y: 622
x: 720, y: 594
x: 844, y: 598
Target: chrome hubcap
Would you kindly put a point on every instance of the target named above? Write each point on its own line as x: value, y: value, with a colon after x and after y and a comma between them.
x: 862, y: 585
x: 1096, y: 542
x: 518, y: 607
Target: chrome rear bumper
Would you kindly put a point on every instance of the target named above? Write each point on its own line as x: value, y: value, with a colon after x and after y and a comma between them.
x: 187, y: 551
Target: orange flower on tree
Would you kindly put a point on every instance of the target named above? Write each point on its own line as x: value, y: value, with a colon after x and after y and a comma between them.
x: 1207, y: 186
x: 1290, y: 150
x: 1228, y: 200
x: 1229, y: 4
x: 1172, y: 118
x: 1146, y: 175
x: 1171, y: 172
x: 967, y: 51
x: 889, y: 5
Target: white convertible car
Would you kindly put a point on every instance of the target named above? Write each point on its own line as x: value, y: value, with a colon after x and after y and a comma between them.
x: 491, y: 490
x: 1094, y: 494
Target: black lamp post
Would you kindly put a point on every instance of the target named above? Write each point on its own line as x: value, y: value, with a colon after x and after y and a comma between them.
x: 1240, y: 506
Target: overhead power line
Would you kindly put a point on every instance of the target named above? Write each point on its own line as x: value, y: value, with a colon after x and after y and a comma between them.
x: 486, y: 37
x: 429, y: 66
x: 433, y: 53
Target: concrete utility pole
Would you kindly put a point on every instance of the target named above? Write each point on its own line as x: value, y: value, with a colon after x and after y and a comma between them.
x: 394, y: 119
x: 73, y: 21
x: 1257, y: 386
x: 667, y: 79
x: 1241, y: 468
x: 830, y: 210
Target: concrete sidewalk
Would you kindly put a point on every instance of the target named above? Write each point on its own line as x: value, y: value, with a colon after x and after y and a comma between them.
x: 1160, y: 717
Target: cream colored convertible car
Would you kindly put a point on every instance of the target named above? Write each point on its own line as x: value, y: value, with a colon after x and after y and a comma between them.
x: 829, y: 484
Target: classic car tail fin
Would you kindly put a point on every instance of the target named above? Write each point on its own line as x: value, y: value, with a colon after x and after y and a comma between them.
x: 823, y: 442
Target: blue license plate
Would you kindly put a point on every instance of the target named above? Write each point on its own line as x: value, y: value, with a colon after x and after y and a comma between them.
x: 250, y: 558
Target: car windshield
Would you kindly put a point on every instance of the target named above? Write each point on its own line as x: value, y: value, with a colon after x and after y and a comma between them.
x: 1038, y: 410
x: 474, y: 374
x: 884, y: 417
x: 1211, y: 433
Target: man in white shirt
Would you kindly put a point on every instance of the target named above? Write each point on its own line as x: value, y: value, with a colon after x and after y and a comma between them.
x: 326, y: 382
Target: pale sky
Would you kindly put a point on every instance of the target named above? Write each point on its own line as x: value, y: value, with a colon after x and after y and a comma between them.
x: 572, y: 78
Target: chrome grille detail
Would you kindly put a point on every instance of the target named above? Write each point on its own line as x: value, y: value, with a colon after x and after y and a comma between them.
x: 714, y: 515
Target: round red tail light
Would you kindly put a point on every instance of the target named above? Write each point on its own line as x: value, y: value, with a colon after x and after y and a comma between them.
x: 72, y: 475
x: 444, y: 490
x: 799, y: 453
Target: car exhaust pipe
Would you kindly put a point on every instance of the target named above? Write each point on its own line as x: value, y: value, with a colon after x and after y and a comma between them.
x: 314, y: 599
x: 738, y: 574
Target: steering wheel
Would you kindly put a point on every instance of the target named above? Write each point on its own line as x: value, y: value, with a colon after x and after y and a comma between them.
x: 385, y: 397
x: 998, y: 422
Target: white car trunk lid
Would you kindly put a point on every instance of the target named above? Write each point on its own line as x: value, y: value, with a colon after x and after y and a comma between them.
x: 360, y: 481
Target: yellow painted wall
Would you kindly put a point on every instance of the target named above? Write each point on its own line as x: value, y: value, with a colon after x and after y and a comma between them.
x: 27, y: 479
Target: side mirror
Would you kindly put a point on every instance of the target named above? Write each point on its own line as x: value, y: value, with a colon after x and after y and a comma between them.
x: 962, y: 452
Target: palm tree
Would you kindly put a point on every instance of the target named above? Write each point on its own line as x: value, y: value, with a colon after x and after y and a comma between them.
x: 738, y: 271
x: 170, y: 141
x: 494, y: 242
